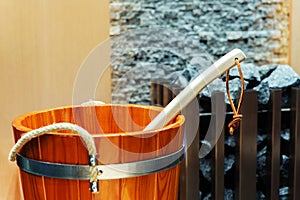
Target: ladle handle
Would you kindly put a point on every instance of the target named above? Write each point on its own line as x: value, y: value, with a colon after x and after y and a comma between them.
x: 193, y: 89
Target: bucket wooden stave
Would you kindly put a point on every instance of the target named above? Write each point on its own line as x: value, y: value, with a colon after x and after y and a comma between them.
x: 118, y: 139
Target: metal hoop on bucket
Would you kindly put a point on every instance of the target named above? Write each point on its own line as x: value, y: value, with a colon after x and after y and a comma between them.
x: 93, y: 171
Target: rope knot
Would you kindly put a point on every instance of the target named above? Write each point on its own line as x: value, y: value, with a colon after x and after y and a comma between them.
x: 234, y: 124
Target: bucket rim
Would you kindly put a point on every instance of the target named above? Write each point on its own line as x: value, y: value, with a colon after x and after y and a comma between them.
x: 18, y: 125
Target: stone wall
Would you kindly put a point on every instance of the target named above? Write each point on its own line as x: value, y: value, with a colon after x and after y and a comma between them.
x: 258, y: 27
x: 142, y: 55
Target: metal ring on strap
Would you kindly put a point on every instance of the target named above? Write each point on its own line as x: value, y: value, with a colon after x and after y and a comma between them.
x: 110, y: 171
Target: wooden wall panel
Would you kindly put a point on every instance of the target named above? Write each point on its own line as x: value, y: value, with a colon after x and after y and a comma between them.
x: 295, y: 35
x: 42, y: 45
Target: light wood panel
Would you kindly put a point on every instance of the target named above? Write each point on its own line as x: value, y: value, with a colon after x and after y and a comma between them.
x: 42, y: 44
x: 295, y: 35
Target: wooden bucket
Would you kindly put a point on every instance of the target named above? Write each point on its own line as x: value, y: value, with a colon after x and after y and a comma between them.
x: 116, y: 131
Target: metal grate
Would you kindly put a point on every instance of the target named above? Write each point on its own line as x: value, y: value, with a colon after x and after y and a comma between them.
x: 273, y: 118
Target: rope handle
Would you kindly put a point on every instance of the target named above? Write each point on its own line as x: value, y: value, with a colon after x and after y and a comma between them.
x: 237, y: 117
x: 85, y: 136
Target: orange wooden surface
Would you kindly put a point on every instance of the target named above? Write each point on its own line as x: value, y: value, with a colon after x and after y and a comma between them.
x: 113, y: 130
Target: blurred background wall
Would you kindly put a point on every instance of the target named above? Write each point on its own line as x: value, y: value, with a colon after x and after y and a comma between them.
x: 295, y: 36
x: 42, y: 45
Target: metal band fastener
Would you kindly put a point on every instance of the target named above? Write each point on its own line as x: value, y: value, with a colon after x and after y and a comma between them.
x: 103, y: 172
x: 94, y: 172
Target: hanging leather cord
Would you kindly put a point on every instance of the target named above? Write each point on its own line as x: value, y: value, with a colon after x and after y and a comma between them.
x: 237, y: 117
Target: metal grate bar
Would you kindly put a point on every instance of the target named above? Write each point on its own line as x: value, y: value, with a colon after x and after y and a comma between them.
x: 189, y: 189
x: 218, y: 151
x: 273, y: 146
x: 153, y: 92
x: 295, y: 145
x: 160, y: 92
x: 247, y: 149
x: 167, y: 96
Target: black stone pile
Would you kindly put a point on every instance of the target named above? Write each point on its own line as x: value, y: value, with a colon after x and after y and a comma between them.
x: 261, y: 174
x: 262, y: 79
x: 259, y: 78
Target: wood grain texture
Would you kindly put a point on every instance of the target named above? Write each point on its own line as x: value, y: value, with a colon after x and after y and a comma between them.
x: 294, y: 47
x: 118, y: 137
x: 42, y: 45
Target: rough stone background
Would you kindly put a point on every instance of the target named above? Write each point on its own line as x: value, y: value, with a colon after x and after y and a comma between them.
x: 139, y: 56
x: 258, y: 27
